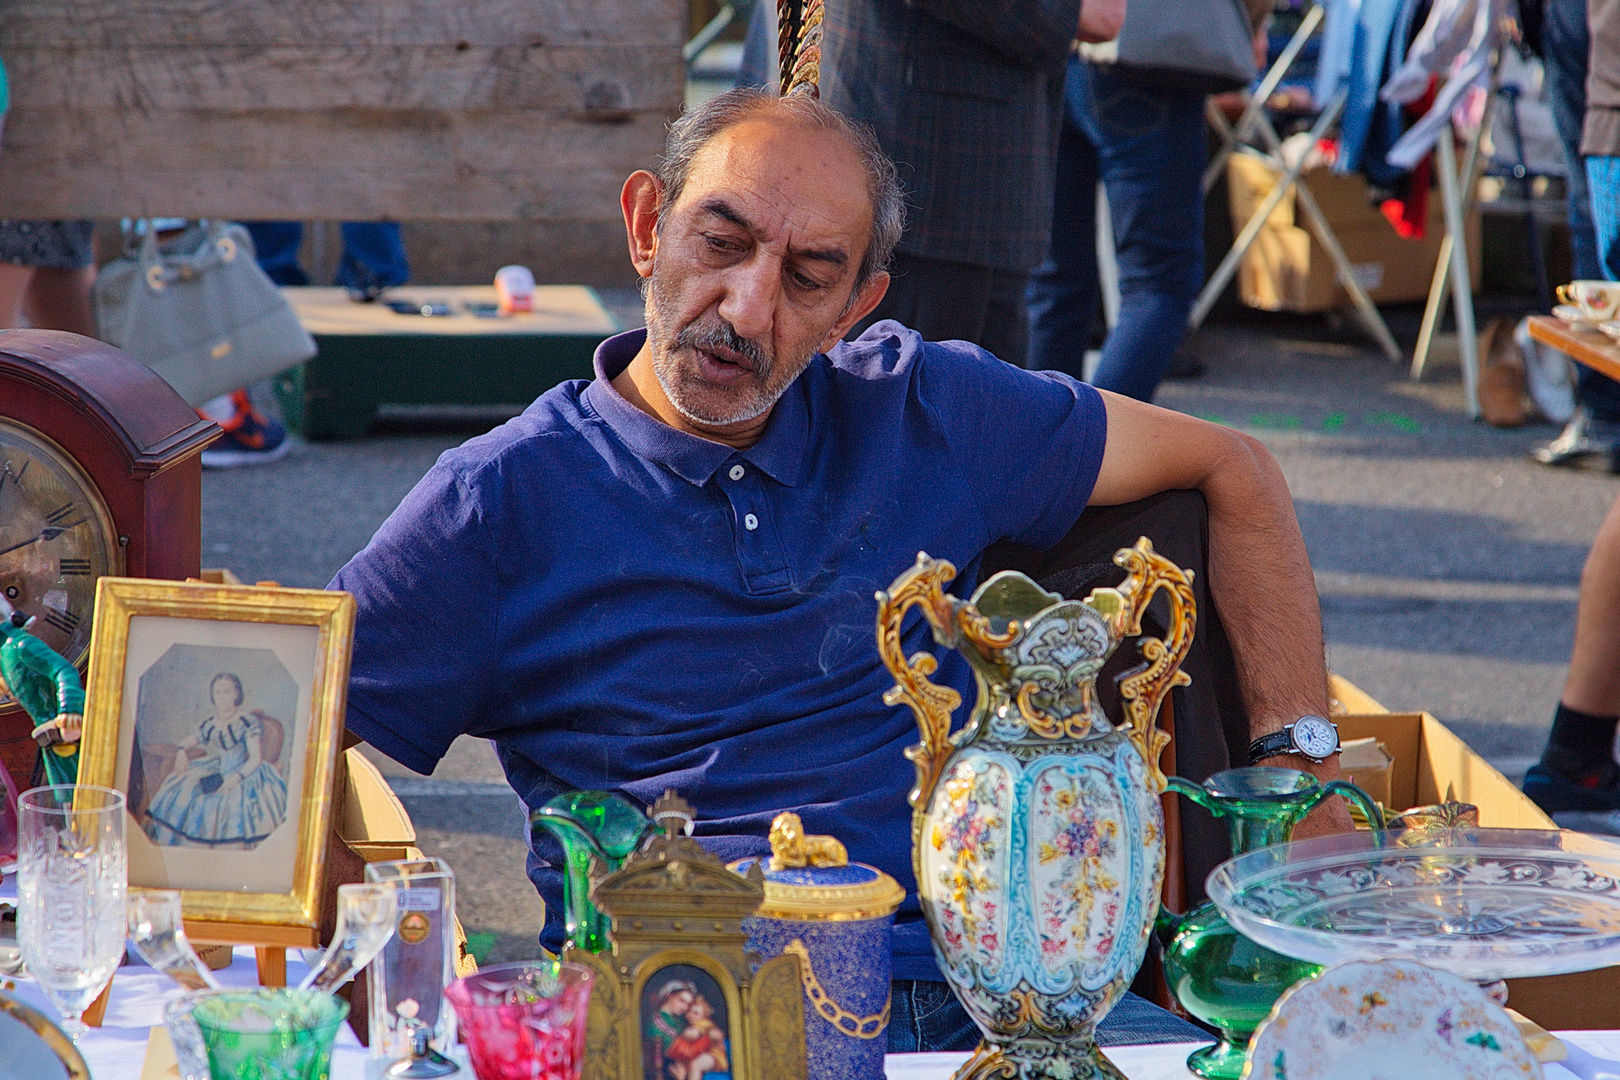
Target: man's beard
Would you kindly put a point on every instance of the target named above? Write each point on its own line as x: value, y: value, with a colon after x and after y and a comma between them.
x: 749, y: 399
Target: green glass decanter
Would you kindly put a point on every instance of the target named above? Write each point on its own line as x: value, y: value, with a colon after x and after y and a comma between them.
x: 1218, y: 975
x: 591, y: 825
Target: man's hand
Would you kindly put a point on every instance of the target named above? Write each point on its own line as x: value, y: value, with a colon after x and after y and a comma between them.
x: 1100, y: 20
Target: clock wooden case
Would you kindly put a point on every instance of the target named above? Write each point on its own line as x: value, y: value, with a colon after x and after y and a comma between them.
x: 99, y: 474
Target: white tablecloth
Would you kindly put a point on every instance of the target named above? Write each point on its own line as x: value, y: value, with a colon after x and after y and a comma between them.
x: 117, y: 1049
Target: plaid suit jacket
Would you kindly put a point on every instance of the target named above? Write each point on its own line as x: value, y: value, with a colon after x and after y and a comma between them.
x: 967, y: 97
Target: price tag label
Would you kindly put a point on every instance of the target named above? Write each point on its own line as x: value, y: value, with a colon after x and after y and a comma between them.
x: 419, y: 899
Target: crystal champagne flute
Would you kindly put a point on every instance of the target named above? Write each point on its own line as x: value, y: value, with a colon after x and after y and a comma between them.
x: 365, y: 922
x: 71, y: 882
x: 159, y: 936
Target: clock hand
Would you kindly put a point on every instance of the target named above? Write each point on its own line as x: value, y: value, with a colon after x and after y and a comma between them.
x: 48, y: 533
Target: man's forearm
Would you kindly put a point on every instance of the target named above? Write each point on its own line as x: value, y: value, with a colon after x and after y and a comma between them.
x: 1260, y: 579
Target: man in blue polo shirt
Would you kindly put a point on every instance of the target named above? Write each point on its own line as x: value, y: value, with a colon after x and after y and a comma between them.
x: 663, y: 577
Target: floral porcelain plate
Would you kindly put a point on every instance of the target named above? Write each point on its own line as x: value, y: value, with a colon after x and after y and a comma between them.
x: 1388, y: 1020
x: 1481, y: 903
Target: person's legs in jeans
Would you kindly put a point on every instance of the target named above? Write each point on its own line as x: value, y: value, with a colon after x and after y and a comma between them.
x: 275, y: 246
x: 1566, y: 42
x: 1064, y: 294
x: 1150, y: 147
x: 373, y: 257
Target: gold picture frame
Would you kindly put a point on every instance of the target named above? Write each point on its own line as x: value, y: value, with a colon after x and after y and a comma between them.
x: 218, y: 711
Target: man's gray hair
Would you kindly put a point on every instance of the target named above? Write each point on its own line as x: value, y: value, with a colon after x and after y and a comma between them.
x: 696, y: 127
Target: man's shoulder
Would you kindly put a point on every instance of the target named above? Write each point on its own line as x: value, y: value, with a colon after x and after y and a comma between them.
x: 890, y: 350
x: 528, y: 440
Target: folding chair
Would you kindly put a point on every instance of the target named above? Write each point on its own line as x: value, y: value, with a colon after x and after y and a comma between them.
x: 1255, y: 121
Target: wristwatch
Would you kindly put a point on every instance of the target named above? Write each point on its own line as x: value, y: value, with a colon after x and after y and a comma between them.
x: 1314, y: 737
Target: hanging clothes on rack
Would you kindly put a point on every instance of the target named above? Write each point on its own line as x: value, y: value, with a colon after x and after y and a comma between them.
x: 1364, y: 41
x: 1455, y: 44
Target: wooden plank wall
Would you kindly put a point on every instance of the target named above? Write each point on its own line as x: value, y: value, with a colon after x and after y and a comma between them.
x: 456, y: 110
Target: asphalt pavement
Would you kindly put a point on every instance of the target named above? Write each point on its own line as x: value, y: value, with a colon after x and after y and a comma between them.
x: 1447, y: 562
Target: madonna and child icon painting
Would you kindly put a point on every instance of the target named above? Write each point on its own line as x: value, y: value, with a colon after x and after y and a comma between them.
x: 213, y: 729
x: 685, y: 1032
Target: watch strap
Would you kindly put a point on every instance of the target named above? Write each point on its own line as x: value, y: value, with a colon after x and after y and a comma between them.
x: 1278, y: 742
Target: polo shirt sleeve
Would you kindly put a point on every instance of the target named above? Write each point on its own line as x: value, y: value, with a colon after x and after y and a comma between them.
x: 1030, y: 443
x: 426, y: 595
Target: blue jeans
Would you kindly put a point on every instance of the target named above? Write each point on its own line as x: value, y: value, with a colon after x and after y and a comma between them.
x: 373, y: 254
x: 926, y: 1017
x: 1147, y: 146
x: 1565, y: 43
x: 1603, y: 179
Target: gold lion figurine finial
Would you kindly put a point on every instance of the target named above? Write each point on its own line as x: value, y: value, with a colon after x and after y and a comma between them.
x: 791, y: 848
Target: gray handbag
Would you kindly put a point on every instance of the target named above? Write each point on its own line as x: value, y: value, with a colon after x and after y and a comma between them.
x: 197, y: 310
x: 1202, y: 45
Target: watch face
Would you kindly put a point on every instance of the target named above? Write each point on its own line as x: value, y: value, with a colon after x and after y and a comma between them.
x: 56, y: 539
x: 1315, y: 736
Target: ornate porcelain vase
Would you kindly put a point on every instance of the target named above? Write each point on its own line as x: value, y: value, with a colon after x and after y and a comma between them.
x: 1037, y: 832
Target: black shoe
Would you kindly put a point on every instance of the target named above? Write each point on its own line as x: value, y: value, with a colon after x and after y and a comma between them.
x: 1551, y: 787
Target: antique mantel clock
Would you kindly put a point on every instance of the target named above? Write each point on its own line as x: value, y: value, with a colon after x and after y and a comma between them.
x: 99, y: 474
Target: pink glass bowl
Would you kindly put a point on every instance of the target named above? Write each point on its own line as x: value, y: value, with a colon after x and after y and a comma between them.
x: 524, y: 1021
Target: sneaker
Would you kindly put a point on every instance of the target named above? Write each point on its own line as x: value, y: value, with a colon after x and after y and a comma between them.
x: 1555, y: 792
x: 251, y: 438
x: 1581, y: 439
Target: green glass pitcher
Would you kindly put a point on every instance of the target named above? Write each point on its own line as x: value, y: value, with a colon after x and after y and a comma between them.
x: 1218, y: 975
x: 590, y: 824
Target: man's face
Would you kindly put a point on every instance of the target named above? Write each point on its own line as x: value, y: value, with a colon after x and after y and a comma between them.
x: 754, y: 267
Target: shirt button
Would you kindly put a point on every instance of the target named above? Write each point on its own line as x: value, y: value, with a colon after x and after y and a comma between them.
x: 736, y: 472
x: 750, y: 522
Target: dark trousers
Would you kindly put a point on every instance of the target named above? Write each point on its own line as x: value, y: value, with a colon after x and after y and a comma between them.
x: 925, y: 1017
x: 1147, y: 146
x: 1565, y: 43
x: 373, y: 254
x: 954, y: 301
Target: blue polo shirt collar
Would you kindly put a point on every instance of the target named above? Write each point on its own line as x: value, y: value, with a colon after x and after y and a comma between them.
x: 780, y: 452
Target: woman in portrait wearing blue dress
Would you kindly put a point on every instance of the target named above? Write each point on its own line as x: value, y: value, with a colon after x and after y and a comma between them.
x: 222, y: 790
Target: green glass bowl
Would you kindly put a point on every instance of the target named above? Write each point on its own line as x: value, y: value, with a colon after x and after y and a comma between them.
x: 268, y: 1034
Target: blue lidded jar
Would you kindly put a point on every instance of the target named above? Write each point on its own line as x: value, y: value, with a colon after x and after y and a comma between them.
x: 838, y: 918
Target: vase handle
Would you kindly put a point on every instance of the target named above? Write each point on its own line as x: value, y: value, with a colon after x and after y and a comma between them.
x: 1375, y: 816
x: 1182, y: 786
x: 931, y: 703
x: 1143, y: 688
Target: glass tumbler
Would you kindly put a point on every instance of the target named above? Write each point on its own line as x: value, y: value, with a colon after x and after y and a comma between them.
x: 524, y: 1021
x: 268, y: 1034
x: 72, y: 878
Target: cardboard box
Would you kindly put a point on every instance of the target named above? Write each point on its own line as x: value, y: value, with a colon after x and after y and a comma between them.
x: 1428, y: 762
x: 1367, y: 763
x: 1288, y: 270
x: 1431, y: 763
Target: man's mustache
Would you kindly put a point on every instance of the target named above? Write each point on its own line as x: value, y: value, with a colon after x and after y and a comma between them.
x: 721, y: 335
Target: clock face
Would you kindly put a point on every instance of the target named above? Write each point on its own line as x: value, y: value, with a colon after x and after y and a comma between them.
x: 1316, y: 736
x: 56, y: 539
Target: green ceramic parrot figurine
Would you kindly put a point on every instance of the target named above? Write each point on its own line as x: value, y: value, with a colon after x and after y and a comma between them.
x: 48, y: 689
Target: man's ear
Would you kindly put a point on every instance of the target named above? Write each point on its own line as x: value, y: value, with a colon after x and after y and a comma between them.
x: 869, y: 297
x: 640, y: 203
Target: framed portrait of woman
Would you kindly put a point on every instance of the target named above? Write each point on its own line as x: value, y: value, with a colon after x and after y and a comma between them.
x: 217, y: 710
